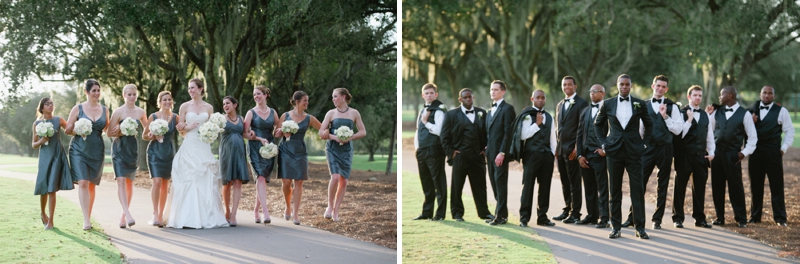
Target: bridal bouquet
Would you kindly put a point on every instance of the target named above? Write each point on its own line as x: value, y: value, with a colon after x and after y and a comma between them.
x: 268, y: 151
x: 158, y: 128
x: 83, y: 127
x: 45, y: 129
x: 209, y: 132
x: 128, y: 127
x: 343, y: 133
x: 217, y: 119
x: 289, y: 126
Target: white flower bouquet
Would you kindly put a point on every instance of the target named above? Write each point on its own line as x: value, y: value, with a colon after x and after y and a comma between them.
x: 268, y: 151
x: 159, y: 127
x: 217, y: 119
x: 209, y: 132
x: 45, y: 129
x: 83, y: 127
x: 289, y: 126
x: 343, y: 133
x: 128, y: 127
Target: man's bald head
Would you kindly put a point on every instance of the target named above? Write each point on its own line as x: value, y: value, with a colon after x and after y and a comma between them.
x: 728, y: 96
x: 538, y: 99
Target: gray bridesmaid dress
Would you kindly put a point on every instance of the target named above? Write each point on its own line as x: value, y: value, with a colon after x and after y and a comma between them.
x: 292, y: 154
x: 161, y: 154
x: 54, y: 172
x: 86, y: 156
x: 263, y: 129
x: 232, y: 153
x: 340, y: 157
x: 125, y: 155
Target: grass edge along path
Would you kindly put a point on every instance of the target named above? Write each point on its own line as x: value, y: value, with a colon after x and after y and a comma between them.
x: 24, y: 239
x: 471, y: 241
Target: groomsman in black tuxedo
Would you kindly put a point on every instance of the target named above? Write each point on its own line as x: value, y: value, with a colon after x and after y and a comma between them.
x: 499, y: 130
x: 731, y: 124
x: 464, y: 141
x: 592, y: 160
x: 567, y: 112
x: 535, y: 144
x: 767, y: 160
x: 667, y: 123
x: 624, y: 148
x: 695, y: 148
x: 430, y: 155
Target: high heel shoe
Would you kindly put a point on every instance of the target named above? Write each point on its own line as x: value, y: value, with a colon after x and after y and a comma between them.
x: 258, y: 221
x: 327, y: 213
x: 45, y: 220
x: 296, y: 222
x: 87, y: 228
x: 287, y: 217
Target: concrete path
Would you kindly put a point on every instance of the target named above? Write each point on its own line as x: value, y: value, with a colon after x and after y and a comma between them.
x: 248, y: 242
x: 586, y: 244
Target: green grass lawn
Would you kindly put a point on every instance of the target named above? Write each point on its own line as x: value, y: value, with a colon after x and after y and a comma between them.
x: 407, y: 134
x: 34, y: 169
x: 14, y: 159
x: 471, y: 241
x: 360, y: 162
x: 409, y: 115
x: 24, y: 239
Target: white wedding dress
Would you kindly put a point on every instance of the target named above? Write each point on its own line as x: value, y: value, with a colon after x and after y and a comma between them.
x: 195, y: 200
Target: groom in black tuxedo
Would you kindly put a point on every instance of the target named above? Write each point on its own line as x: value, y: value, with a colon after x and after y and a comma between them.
x: 567, y: 117
x: 499, y: 130
x: 624, y: 148
x: 464, y: 141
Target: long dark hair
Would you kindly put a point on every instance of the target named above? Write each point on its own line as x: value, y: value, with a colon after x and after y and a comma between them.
x: 40, y: 109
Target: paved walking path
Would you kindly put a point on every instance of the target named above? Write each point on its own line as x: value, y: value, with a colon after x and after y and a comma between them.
x: 248, y: 242
x: 586, y: 244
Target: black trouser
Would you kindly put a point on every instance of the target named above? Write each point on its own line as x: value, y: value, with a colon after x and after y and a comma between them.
x: 696, y: 166
x: 570, y: 184
x: 430, y: 162
x: 617, y: 165
x: 726, y: 170
x: 499, y: 178
x: 767, y: 162
x: 657, y: 156
x: 468, y: 164
x: 537, y: 166
x: 595, y: 183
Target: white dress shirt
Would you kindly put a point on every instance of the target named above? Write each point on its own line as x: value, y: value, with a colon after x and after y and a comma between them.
x: 749, y: 127
x: 566, y: 103
x: 494, y: 108
x: 470, y: 116
x: 674, y: 121
x: 624, y: 111
x: 711, y: 145
x: 529, y: 128
x: 595, y: 109
x: 786, y: 124
x: 438, y: 117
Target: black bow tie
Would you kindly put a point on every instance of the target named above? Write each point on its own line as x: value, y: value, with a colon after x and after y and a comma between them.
x: 426, y: 106
x: 728, y: 109
x: 656, y: 100
x: 696, y: 110
x: 470, y: 111
x: 494, y: 105
x: 765, y: 107
x: 624, y: 99
x: 596, y: 106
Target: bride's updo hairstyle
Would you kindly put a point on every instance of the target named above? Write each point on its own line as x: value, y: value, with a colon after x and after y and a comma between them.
x: 199, y: 84
x: 297, y: 97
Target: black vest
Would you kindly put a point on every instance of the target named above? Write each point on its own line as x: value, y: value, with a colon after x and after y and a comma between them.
x: 729, y: 133
x: 768, y: 129
x: 540, y: 142
x: 660, y: 134
x: 590, y: 142
x: 695, y: 140
x: 470, y: 135
x: 424, y: 137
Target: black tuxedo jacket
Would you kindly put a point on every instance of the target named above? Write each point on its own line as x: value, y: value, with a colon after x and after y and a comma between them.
x: 618, y: 137
x: 454, y: 122
x: 500, y: 129
x: 567, y: 124
x: 586, y: 131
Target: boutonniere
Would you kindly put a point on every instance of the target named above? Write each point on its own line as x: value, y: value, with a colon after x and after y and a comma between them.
x: 636, y: 105
x: 571, y: 101
x: 527, y: 118
x: 679, y: 104
x: 441, y: 106
x: 480, y: 114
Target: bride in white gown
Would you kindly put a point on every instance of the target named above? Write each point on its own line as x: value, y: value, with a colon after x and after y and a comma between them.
x: 195, y: 200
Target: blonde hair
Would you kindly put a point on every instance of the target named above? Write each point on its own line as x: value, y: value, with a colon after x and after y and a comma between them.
x: 162, y: 94
x: 266, y: 91
x: 344, y: 92
x: 130, y: 86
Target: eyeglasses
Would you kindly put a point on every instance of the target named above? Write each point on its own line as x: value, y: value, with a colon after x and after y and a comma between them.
x: 593, y: 91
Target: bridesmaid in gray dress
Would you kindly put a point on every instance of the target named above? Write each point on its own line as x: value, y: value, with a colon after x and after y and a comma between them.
x: 260, y: 129
x: 125, y: 151
x: 54, y: 173
x: 340, y: 152
x: 160, y: 155
x: 86, y: 155
x: 292, y: 157
x: 233, y: 167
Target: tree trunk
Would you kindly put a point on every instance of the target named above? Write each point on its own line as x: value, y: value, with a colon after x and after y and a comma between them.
x: 391, y: 147
x: 371, y: 154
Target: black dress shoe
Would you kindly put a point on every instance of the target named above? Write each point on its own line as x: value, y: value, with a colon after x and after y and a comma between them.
x: 742, y: 224
x: 615, y: 233
x: 656, y: 225
x: 546, y: 223
x: 439, y: 218
x: 782, y: 224
x: 421, y: 217
x: 488, y: 219
x: 458, y: 218
x: 562, y: 216
x: 642, y: 234
x: 523, y: 224
x: 718, y: 222
x: 570, y: 220
x: 587, y: 221
x: 753, y: 221
x: 499, y: 221
x: 702, y: 224
x: 678, y: 224
x: 627, y: 223
x: 603, y: 224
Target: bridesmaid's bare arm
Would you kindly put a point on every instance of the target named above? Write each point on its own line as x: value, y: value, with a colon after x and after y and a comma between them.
x: 313, y: 122
x: 362, y: 132
x: 146, y: 133
x: 73, y: 116
x: 325, y: 133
